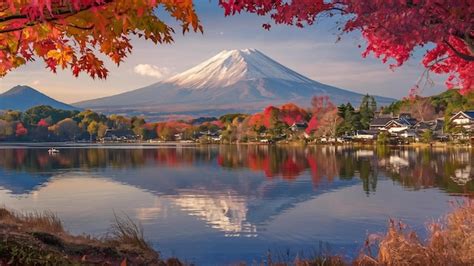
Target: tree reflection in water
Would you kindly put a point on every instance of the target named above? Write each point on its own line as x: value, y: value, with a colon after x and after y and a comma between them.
x: 451, y: 170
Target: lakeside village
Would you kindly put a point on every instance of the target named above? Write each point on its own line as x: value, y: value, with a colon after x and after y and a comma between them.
x: 448, y: 117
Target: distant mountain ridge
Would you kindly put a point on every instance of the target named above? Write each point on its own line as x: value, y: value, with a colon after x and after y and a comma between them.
x: 236, y: 80
x: 22, y: 98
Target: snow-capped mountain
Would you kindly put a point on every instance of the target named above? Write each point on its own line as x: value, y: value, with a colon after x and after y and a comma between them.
x: 22, y: 98
x: 236, y: 80
x: 230, y: 67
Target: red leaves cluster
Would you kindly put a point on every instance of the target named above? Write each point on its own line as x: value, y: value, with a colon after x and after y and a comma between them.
x: 43, y: 123
x: 288, y: 113
x: 20, y: 130
x: 322, y: 108
x: 257, y: 120
x: 392, y: 29
x: 298, y: 12
x: 270, y: 116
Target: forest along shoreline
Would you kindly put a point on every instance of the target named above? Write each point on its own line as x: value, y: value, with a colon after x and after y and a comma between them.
x: 450, y: 121
x: 39, y: 238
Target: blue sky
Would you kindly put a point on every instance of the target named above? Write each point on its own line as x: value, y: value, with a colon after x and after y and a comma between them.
x: 311, y: 51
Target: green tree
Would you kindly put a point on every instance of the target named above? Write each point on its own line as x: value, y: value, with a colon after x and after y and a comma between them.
x: 427, y: 136
x: 33, y: 115
x: 367, y: 109
x: 351, y: 120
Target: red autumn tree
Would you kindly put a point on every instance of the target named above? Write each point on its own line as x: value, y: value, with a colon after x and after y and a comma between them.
x: 218, y: 124
x: 43, y: 123
x: 391, y: 29
x: 270, y: 116
x: 290, y: 113
x: 71, y: 33
x: 322, y: 108
x: 20, y: 130
x: 256, y: 120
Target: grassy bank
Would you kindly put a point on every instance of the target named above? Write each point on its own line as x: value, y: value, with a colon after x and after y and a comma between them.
x: 40, y: 239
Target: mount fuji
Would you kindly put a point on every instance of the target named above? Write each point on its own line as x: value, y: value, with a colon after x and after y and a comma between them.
x: 232, y: 81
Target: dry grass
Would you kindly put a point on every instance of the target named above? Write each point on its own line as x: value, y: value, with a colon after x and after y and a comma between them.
x: 450, y: 242
x: 38, y: 238
x: 45, y: 221
x: 126, y: 232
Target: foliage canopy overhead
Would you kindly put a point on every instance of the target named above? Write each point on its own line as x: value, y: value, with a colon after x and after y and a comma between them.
x: 392, y: 29
x: 70, y: 33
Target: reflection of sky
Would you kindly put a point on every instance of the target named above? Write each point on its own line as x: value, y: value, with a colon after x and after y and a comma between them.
x: 195, y: 224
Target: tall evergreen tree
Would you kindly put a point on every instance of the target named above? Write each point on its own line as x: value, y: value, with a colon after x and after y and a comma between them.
x: 367, y: 109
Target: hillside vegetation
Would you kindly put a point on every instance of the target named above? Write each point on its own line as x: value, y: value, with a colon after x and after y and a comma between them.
x: 427, y: 108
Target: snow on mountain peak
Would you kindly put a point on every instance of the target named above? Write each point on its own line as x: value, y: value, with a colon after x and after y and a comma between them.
x: 231, y: 66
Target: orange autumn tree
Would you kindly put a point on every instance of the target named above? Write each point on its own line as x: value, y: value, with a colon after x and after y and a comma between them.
x: 71, y: 34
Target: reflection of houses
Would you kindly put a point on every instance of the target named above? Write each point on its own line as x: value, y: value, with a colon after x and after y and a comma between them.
x: 397, y: 162
x: 462, y: 124
x: 462, y: 176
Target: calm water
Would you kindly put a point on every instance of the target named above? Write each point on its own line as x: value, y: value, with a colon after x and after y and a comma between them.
x: 225, y: 204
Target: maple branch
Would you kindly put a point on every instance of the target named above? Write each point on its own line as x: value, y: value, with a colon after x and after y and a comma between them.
x: 459, y: 53
x: 76, y: 26
x: 58, y: 11
x: 469, y: 41
x: 50, y: 19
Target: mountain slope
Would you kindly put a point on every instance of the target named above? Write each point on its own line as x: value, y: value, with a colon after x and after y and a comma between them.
x: 243, y: 80
x: 23, y: 98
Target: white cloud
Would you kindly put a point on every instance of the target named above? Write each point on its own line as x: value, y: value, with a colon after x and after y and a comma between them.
x: 152, y: 71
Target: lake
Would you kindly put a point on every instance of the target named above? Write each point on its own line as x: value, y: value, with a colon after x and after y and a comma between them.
x: 215, y: 205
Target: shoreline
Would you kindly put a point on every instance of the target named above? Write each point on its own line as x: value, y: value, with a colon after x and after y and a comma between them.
x: 92, y: 145
x: 177, y: 144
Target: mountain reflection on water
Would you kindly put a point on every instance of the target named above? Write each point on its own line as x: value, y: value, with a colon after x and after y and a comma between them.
x: 222, y: 204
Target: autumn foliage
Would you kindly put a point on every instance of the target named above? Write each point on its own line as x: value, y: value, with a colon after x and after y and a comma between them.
x: 20, y: 130
x: 72, y: 33
x: 324, y: 113
x: 43, y: 123
x: 392, y: 29
x: 290, y: 113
